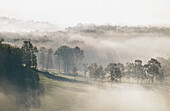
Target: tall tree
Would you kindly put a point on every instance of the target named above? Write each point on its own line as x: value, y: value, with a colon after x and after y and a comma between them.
x: 49, y: 61
x: 165, y: 66
x: 29, y: 57
x: 138, y: 70
x: 58, y: 59
x: 42, y: 56
x: 153, y: 68
x: 101, y: 72
x: 93, y: 73
x: 70, y: 57
x: 114, y: 71
x: 66, y: 54
x: 129, y: 70
x: 78, y: 55
x: 122, y: 69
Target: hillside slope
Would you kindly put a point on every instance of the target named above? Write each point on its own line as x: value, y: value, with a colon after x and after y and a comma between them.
x: 66, y: 95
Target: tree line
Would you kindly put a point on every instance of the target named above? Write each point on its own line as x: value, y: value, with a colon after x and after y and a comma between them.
x: 17, y: 67
x: 65, y: 57
x: 68, y: 59
x: 116, y: 71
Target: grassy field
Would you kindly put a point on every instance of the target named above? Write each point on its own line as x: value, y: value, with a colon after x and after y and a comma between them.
x: 63, y: 93
x: 60, y: 95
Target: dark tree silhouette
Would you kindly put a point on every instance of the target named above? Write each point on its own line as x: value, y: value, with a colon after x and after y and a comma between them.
x: 70, y: 57
x: 66, y: 54
x: 16, y: 68
x: 138, y: 70
x: 29, y: 58
x: 153, y: 68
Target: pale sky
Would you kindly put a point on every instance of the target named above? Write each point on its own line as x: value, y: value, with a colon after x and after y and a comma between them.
x: 70, y: 12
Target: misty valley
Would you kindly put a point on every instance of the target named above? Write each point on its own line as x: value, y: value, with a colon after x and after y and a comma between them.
x: 86, y: 68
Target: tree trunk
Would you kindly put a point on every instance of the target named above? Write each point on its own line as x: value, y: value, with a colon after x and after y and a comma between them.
x: 102, y: 81
x: 47, y: 66
x: 153, y: 78
x: 59, y: 67
x: 47, y: 63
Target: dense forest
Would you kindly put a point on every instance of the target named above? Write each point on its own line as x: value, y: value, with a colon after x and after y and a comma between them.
x: 17, y: 67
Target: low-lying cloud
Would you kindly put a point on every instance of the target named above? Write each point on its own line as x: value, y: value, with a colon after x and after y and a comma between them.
x: 123, y: 97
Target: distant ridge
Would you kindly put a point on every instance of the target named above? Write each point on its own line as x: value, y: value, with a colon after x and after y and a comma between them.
x: 116, y: 28
x: 17, y: 25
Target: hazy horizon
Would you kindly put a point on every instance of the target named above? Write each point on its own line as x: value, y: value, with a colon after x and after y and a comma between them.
x: 69, y: 13
x: 84, y: 55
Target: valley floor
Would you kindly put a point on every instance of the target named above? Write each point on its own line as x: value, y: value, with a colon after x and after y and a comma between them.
x: 63, y: 93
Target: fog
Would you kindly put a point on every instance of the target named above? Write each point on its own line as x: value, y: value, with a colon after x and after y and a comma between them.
x: 18, y: 25
x: 127, y: 48
x: 124, y: 97
x: 7, y: 99
x: 9, y: 96
x: 118, y: 97
x: 108, y: 31
x: 100, y: 47
x: 18, y: 98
